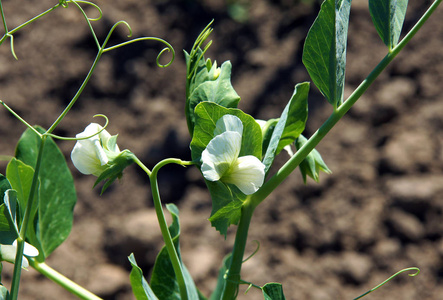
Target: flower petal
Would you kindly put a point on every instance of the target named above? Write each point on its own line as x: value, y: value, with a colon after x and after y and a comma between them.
x: 220, y: 153
x: 247, y: 173
x: 84, y: 158
x: 228, y: 123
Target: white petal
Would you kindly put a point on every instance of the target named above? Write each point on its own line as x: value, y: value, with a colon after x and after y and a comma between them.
x: 30, y: 250
x: 8, y: 252
x: 228, y: 123
x: 222, y: 151
x: 84, y: 158
x: 247, y: 173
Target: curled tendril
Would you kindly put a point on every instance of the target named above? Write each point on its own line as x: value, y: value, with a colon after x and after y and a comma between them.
x: 417, y: 271
x: 63, y: 3
x: 168, y: 48
x: 100, y: 13
x: 253, y: 253
x: 83, y: 138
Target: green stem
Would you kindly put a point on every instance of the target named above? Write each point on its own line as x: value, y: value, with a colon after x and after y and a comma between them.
x: 24, y: 24
x: 24, y: 226
x: 63, y: 281
x: 3, y: 18
x: 172, y: 252
x: 233, y: 279
x: 269, y: 186
x: 20, y: 118
x: 80, y: 90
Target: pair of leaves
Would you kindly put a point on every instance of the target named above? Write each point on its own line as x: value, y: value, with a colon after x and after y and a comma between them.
x: 227, y: 199
x: 163, y: 281
x: 52, y: 211
x: 324, y: 52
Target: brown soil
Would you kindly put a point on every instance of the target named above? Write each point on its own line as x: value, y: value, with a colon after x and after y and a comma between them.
x: 380, y: 211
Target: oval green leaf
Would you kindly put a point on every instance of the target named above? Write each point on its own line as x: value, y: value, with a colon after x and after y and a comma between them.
x: 324, y: 52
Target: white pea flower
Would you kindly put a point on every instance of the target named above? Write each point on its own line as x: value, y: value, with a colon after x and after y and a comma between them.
x: 90, y: 156
x: 221, y: 161
x: 8, y: 253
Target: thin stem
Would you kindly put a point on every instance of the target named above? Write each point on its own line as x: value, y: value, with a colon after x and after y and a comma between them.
x: 172, y: 252
x: 3, y: 18
x: 20, y: 118
x: 77, y: 95
x: 24, y: 226
x: 63, y: 281
x: 141, y: 165
x: 233, y: 278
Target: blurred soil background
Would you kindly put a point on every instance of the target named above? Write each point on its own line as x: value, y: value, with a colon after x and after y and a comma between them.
x: 380, y: 211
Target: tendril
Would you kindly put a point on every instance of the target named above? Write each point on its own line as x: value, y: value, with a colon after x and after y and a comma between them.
x: 82, y: 138
x: 20, y: 118
x: 88, y: 20
x: 63, y: 3
x: 417, y: 271
x: 253, y: 253
x: 168, y: 48
x: 12, y: 45
x: 100, y: 13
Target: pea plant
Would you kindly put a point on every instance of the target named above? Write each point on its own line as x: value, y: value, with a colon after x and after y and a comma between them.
x: 233, y: 151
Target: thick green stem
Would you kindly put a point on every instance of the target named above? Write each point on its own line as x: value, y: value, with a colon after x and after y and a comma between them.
x: 233, y: 278
x: 24, y: 226
x: 63, y: 281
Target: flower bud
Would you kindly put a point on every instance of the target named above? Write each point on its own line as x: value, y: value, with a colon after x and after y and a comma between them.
x: 91, y: 156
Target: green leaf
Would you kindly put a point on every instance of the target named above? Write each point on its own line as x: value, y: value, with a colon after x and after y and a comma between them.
x: 163, y: 280
x: 312, y: 164
x: 388, y: 17
x: 20, y: 177
x: 324, y: 52
x: 218, y: 91
x: 221, y: 280
x: 273, y: 291
x: 224, y: 196
x: 57, y: 191
x: 290, y: 125
x: 140, y: 287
